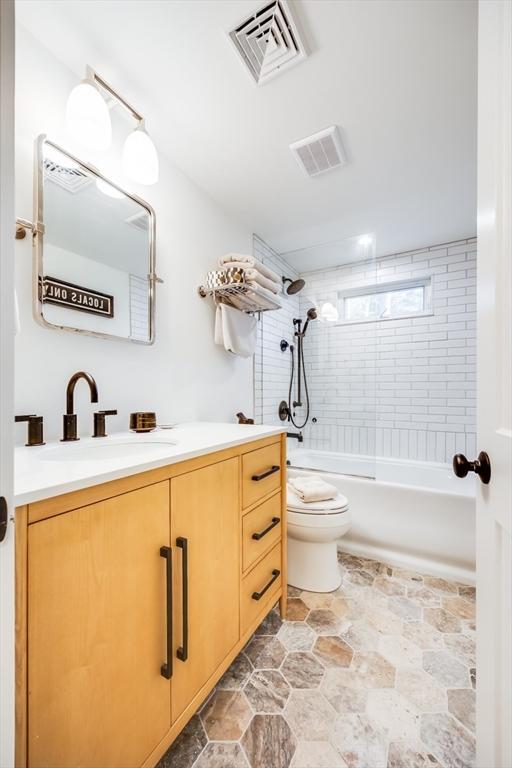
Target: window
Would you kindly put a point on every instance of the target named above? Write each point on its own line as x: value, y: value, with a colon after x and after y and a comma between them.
x: 386, y: 301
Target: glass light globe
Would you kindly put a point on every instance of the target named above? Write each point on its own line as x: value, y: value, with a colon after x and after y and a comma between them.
x: 328, y: 313
x: 140, y: 159
x: 109, y: 190
x: 88, y: 118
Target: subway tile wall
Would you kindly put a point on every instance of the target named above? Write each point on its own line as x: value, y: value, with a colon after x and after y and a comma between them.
x: 271, y: 366
x: 396, y: 388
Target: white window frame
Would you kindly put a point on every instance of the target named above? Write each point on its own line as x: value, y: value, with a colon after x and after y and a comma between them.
x: 425, y: 282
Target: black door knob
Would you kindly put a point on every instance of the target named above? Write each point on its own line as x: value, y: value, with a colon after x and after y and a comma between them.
x: 481, y: 466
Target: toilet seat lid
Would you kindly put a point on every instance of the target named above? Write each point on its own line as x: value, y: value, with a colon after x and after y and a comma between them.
x: 329, y: 507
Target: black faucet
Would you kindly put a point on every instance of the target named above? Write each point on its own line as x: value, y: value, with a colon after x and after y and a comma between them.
x: 35, y: 428
x: 297, y: 435
x: 69, y: 418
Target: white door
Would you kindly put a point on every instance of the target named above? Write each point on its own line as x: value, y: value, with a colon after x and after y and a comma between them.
x: 6, y: 378
x: 494, y: 422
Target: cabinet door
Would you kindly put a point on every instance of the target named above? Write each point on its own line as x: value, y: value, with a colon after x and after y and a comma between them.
x: 205, y: 519
x: 97, y: 633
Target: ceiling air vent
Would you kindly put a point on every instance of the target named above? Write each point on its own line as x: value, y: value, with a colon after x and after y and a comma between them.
x: 320, y: 152
x: 70, y: 178
x: 268, y: 41
x: 139, y: 221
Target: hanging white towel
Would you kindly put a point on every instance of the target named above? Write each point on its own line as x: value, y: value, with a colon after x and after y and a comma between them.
x: 239, y: 331
x: 219, y: 337
x: 312, y: 488
x: 251, y: 261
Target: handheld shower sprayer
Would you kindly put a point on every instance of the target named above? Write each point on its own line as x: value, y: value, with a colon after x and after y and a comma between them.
x: 299, y: 334
x: 311, y: 315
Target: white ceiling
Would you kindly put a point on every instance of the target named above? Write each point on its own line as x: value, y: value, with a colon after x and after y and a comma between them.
x: 397, y: 76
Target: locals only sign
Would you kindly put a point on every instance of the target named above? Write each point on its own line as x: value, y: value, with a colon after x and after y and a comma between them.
x: 73, y: 296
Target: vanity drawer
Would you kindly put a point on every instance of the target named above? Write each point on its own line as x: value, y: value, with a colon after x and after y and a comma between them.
x: 261, y: 587
x: 261, y: 473
x: 261, y: 530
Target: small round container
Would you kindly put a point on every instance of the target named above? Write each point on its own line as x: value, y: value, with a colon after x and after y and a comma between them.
x: 143, y: 421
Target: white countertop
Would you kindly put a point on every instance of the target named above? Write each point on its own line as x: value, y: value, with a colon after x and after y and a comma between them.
x: 44, y: 471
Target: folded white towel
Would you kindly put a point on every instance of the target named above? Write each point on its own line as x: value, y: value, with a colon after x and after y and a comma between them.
x: 312, y: 489
x: 263, y: 293
x: 253, y: 275
x: 236, y: 330
x: 251, y: 261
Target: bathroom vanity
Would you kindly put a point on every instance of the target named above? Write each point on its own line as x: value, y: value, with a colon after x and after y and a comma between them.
x: 138, y: 581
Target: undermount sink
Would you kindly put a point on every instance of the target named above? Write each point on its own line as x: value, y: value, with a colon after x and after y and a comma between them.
x: 107, y: 450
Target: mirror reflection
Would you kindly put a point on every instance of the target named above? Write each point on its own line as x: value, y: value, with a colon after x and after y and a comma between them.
x: 96, y: 260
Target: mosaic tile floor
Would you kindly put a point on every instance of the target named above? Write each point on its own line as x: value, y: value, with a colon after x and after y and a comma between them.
x: 380, y: 674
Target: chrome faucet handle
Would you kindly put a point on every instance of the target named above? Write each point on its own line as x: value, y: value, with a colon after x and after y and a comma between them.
x: 35, y: 428
x: 99, y: 422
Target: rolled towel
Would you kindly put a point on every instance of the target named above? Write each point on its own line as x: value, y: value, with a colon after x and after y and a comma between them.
x: 310, y: 488
x: 251, y: 261
x: 253, y: 275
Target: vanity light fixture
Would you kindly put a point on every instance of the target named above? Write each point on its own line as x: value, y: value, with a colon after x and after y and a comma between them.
x: 365, y: 240
x: 87, y: 115
x: 140, y: 160
x: 88, y: 118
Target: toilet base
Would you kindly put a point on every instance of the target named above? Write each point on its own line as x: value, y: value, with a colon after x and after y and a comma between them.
x: 313, y: 566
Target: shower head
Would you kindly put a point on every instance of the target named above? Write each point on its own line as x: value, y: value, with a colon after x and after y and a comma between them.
x: 295, y: 285
x: 311, y: 315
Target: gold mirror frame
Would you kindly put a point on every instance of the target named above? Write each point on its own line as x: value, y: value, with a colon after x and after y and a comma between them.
x: 38, y: 231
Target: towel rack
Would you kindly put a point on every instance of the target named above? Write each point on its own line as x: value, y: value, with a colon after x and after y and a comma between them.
x: 238, y: 293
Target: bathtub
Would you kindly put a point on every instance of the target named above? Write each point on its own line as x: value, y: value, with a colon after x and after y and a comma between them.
x: 413, y: 515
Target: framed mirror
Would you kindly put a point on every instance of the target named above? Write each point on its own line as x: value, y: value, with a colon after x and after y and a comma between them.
x: 94, y: 270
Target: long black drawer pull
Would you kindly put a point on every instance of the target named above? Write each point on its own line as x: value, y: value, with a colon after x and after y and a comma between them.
x: 166, y: 668
x: 265, y: 474
x: 259, y: 595
x: 261, y: 534
x: 182, y: 652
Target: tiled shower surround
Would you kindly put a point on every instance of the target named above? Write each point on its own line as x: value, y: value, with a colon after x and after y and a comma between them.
x: 379, y: 674
x: 395, y: 388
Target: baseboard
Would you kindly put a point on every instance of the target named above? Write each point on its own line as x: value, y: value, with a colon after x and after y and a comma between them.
x: 409, y: 562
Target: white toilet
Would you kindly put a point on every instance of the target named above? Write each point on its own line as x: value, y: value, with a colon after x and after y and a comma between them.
x: 313, y: 531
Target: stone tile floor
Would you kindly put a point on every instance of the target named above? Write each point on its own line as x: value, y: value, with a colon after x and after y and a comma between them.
x: 379, y: 674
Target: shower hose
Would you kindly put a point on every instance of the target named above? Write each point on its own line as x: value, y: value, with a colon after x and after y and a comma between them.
x: 290, y: 414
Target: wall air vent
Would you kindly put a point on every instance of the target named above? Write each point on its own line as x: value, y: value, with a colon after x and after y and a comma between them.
x: 70, y: 178
x: 320, y: 152
x: 268, y: 41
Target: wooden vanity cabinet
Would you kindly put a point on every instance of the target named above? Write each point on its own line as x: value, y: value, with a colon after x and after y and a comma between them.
x: 96, y: 632
x: 205, y: 522
x: 111, y: 579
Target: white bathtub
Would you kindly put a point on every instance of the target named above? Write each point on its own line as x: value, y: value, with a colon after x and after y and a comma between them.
x: 414, y: 515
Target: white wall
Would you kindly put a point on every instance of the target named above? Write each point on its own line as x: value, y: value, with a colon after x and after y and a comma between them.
x: 184, y: 375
